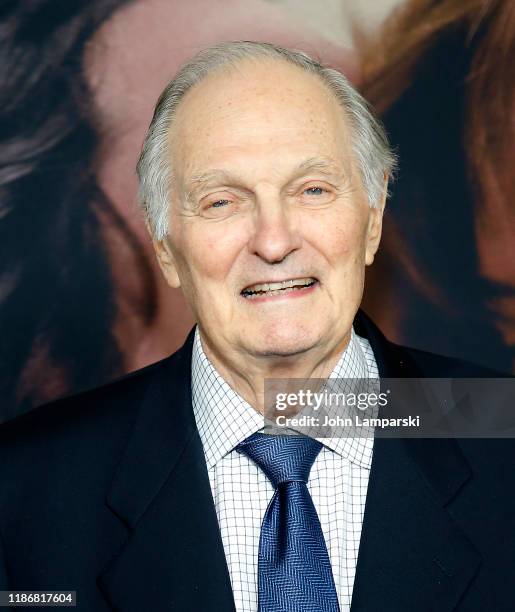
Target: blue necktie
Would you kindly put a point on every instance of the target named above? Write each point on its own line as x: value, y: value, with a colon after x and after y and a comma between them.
x: 294, y: 571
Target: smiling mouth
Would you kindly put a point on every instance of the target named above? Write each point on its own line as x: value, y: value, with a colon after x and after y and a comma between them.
x: 278, y: 288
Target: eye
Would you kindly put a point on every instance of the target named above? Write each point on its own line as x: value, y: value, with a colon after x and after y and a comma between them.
x: 317, y: 194
x: 218, y: 204
x: 216, y: 207
x: 315, y: 190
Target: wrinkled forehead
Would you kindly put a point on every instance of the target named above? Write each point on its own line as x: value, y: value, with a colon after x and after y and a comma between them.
x: 261, y: 106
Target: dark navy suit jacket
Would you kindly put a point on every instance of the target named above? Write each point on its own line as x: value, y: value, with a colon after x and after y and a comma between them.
x: 107, y: 493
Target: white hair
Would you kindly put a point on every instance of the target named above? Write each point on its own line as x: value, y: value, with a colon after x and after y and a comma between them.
x: 374, y: 157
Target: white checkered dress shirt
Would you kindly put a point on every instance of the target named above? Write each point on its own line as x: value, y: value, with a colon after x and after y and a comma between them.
x: 338, y: 479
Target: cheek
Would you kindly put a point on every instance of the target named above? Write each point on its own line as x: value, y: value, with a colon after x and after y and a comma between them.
x: 213, y: 249
x: 342, y: 241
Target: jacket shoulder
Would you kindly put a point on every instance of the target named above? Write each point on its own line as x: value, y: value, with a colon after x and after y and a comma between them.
x: 107, y: 405
x: 400, y: 361
x: 433, y: 365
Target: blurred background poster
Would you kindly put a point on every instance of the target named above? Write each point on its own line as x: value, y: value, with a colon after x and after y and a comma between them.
x: 81, y: 297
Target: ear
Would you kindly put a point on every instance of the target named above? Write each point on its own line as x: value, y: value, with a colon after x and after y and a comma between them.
x: 375, y: 226
x: 166, y: 259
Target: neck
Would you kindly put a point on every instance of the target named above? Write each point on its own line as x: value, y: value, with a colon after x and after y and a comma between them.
x: 317, y: 362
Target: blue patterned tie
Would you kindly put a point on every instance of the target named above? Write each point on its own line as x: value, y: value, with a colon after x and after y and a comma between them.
x: 294, y: 570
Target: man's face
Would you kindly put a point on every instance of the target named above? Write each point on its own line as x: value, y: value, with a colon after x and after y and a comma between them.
x: 266, y: 191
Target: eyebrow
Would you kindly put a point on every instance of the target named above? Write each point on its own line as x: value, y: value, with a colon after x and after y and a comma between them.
x: 211, y: 176
x: 326, y: 165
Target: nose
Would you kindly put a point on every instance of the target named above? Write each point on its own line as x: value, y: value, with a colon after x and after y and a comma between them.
x: 275, y: 233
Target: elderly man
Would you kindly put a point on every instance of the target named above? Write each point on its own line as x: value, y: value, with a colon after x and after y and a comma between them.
x: 263, y: 179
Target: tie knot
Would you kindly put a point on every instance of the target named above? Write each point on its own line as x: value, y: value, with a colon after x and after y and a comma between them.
x: 282, y: 458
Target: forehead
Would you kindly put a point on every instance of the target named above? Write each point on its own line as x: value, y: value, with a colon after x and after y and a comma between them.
x: 263, y: 107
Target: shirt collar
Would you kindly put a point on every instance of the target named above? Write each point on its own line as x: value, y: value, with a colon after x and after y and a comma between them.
x: 224, y: 418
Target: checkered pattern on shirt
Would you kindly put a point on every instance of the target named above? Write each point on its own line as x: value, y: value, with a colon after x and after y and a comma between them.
x: 338, y: 480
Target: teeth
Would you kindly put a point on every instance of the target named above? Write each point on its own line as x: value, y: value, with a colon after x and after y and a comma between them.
x: 265, y: 287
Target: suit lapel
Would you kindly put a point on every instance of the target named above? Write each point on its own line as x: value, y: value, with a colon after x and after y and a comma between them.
x: 173, y: 556
x: 412, y: 555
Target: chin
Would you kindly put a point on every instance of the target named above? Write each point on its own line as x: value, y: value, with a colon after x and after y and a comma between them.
x: 287, y: 341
